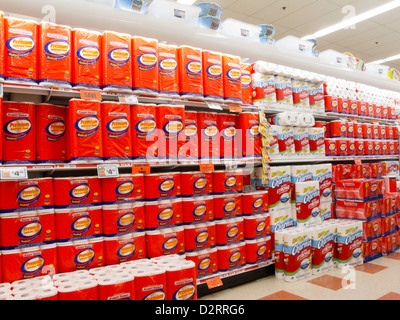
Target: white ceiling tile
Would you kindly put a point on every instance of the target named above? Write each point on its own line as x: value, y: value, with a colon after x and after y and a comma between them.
x: 250, y: 7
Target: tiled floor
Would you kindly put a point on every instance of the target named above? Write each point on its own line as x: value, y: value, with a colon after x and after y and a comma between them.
x: 377, y: 280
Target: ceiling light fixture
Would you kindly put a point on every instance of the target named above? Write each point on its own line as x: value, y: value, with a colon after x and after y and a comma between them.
x: 359, y: 18
x: 392, y: 58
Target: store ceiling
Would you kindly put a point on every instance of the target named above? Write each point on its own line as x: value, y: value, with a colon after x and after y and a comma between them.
x: 370, y: 40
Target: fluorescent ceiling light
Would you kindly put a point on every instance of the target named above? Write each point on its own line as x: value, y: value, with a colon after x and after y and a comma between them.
x: 392, y: 58
x: 361, y: 17
x: 188, y: 2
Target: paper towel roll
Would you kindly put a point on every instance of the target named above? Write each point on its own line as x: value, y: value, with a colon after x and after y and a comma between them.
x: 322, y: 248
x: 25, y: 296
x: 297, y: 255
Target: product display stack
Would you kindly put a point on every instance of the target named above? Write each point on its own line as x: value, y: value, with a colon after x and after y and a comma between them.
x: 141, y: 168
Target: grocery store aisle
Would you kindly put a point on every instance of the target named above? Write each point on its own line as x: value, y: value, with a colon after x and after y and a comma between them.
x: 377, y: 280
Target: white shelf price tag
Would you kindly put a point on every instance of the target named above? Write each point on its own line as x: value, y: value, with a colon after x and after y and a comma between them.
x: 128, y: 98
x: 214, y: 105
x: 1, y: 90
x: 231, y: 165
x: 107, y: 171
x: 10, y: 173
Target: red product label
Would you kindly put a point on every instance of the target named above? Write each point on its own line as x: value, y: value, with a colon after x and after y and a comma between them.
x: 251, y: 137
x: 75, y: 223
x: 227, y: 181
x: 257, y: 226
x: 229, y: 258
x: 19, y: 133
x: 227, y: 206
x: 163, y: 214
x: 200, y: 237
x: 171, y: 128
x: 55, y: 55
x: 162, y: 186
x: 125, y: 248
x: 227, y: 127
x: 122, y: 220
x: 330, y: 147
x: 144, y: 131
x: 85, y: 129
x: 86, y: 64
x: 77, y: 192
x: 331, y: 104
x: 126, y: 188
x: 343, y: 106
x: 259, y: 250
x: 116, y: 57
x: 230, y: 231
x: 206, y: 262
x: 232, y: 74
x: 168, y: 71
x: 209, y: 135
x: 117, y: 134
x: 51, y: 133
x: 22, y: 195
x: 199, y: 209
x: 21, y: 47
x: 255, y: 203
x: 247, y: 88
x: 17, y: 230
x: 33, y: 262
x: 191, y: 71
x: 145, y: 64
x: 162, y: 244
x: 190, y: 150
x: 196, y: 183
x: 213, y: 75
x: 83, y: 256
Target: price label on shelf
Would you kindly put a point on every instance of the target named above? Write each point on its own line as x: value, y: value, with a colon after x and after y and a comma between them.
x: 1, y: 90
x: 214, y: 105
x: 214, y: 283
x: 141, y: 168
x: 128, y: 98
x: 90, y: 95
x: 107, y: 171
x: 205, y: 167
x: 10, y: 173
x: 235, y: 108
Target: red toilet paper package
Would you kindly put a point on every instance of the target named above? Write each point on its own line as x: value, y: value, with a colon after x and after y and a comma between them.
x: 213, y: 78
x: 117, y: 134
x: 87, y: 59
x: 161, y: 186
x: 73, y: 192
x: 129, y: 247
x: 80, y: 255
x: 51, y: 133
x: 165, y: 242
x: 21, y: 47
x: 80, y: 222
x: 196, y: 183
x: 55, y: 56
x: 27, y: 228
x: 144, y: 131
x: 125, y: 188
x: 162, y: 214
x: 123, y: 219
x: 168, y: 71
x: 190, y: 150
x: 29, y: 262
x: 85, y: 130
x: 116, y: 58
x: 144, y: 65
x: 198, y: 209
x: 19, y: 133
x: 26, y: 195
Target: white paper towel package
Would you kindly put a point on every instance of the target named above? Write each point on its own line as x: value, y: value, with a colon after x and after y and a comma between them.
x: 280, y: 188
